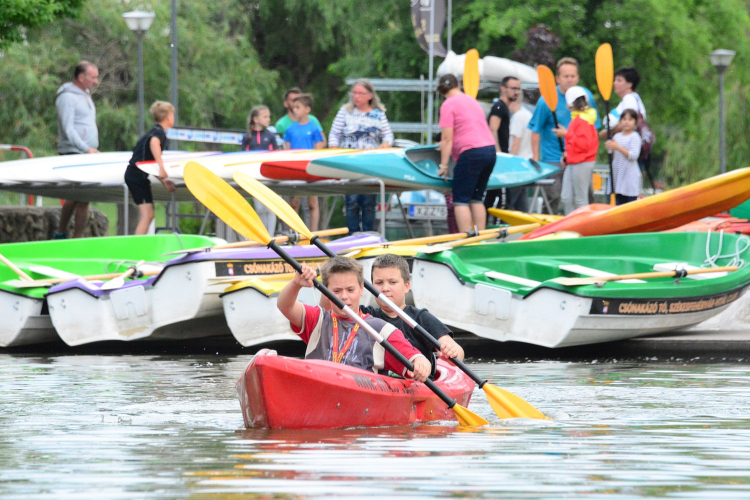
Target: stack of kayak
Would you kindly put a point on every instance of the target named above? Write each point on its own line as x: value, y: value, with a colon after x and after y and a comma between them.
x: 24, y: 292
x: 183, y: 300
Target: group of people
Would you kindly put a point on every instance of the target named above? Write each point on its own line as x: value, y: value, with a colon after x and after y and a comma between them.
x: 567, y: 137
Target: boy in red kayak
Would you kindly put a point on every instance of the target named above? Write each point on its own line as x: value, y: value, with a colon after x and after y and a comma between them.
x: 391, y: 276
x: 333, y: 336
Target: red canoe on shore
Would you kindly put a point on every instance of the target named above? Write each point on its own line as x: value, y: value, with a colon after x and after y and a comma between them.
x: 279, y: 392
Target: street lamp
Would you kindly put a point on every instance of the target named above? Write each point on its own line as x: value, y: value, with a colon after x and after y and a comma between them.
x: 139, y: 22
x: 721, y: 59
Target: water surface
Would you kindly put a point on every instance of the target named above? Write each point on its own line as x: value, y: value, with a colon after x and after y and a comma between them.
x: 147, y: 427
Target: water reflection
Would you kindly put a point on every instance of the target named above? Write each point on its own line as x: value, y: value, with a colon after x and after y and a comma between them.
x: 127, y: 427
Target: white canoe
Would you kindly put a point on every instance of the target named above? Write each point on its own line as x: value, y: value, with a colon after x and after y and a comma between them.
x: 24, y: 321
x: 181, y: 302
x: 491, y: 69
x: 547, y: 317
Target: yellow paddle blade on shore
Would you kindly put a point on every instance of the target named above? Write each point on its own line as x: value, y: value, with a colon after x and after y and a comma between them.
x: 468, y: 417
x: 508, y: 405
x: 272, y: 201
x: 224, y: 201
x: 605, y: 70
x: 471, y: 73
x: 547, y: 86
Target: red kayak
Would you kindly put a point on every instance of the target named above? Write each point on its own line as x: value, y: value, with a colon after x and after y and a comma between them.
x: 279, y: 392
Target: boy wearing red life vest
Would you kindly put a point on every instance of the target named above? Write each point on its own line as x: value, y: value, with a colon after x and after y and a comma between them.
x: 333, y: 336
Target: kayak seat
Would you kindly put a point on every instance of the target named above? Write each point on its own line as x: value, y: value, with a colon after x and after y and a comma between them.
x: 427, y: 160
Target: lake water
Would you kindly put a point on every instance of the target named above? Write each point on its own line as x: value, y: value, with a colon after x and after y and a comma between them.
x: 147, y: 427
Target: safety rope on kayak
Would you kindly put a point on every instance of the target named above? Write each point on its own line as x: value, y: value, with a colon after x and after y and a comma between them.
x: 740, y: 247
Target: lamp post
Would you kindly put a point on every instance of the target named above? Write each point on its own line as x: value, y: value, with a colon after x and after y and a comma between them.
x: 721, y: 59
x: 139, y: 22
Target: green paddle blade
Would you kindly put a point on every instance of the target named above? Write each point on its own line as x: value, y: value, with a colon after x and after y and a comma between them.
x: 273, y: 201
x: 224, y: 201
x: 508, y: 405
x: 468, y: 417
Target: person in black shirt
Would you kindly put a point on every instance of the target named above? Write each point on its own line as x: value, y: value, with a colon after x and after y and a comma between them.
x: 149, y: 148
x: 499, y: 121
x: 258, y: 137
x: 390, y: 275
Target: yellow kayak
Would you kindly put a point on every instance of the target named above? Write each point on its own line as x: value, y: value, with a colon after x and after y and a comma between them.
x: 516, y: 218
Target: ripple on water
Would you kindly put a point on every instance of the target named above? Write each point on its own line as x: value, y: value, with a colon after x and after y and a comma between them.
x: 124, y: 427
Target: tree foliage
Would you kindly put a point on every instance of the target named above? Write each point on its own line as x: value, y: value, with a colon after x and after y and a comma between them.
x: 237, y: 53
x: 16, y: 16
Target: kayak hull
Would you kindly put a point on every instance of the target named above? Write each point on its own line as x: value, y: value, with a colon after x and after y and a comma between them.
x: 660, y: 212
x: 23, y: 322
x: 279, y: 392
x: 507, y: 292
x: 417, y: 167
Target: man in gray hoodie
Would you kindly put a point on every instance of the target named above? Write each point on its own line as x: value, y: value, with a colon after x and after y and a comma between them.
x: 77, y: 134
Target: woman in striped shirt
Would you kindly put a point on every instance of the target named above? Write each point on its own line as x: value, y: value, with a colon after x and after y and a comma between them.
x: 361, y: 124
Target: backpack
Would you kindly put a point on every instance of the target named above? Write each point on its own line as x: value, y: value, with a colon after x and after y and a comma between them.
x: 648, y: 138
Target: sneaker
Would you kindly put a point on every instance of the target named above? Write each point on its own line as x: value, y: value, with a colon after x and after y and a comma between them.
x: 59, y: 236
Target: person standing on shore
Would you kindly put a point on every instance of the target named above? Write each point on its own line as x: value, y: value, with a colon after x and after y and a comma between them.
x: 499, y: 122
x: 545, y: 138
x: 76, y: 134
x: 466, y: 137
x: 361, y: 124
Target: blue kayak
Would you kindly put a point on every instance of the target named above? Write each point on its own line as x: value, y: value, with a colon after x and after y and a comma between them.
x: 417, y: 168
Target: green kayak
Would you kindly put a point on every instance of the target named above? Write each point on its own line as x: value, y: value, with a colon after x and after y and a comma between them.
x: 25, y: 319
x: 512, y: 291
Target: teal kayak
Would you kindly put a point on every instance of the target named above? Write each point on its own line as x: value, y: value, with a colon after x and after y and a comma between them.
x: 417, y: 168
x: 26, y: 319
x: 512, y: 291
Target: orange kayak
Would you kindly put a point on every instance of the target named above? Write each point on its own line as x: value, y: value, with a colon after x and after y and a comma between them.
x: 660, y: 212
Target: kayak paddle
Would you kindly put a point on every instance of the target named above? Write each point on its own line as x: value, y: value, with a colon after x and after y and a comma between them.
x: 45, y: 282
x: 605, y: 75
x: 15, y: 269
x: 119, y: 281
x: 548, y: 89
x: 242, y: 244
x: 471, y: 73
x: 229, y: 205
x: 678, y: 273
x: 494, y: 234
x: 505, y: 404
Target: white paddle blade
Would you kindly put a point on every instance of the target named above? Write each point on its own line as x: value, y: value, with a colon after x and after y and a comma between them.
x: 113, y: 284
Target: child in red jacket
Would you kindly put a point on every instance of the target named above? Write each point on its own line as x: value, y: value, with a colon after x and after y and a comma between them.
x: 581, y: 145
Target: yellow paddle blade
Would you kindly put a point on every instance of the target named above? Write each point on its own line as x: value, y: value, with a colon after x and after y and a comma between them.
x: 273, y: 201
x: 547, y: 86
x: 471, y: 73
x: 224, y: 201
x: 467, y: 417
x: 508, y: 405
x: 605, y: 70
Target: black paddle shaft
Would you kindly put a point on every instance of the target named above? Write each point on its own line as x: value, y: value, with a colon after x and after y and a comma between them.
x: 609, y: 154
x: 432, y: 340
x: 559, y: 139
x: 386, y: 345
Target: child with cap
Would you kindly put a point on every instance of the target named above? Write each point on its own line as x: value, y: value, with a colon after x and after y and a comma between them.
x: 581, y: 146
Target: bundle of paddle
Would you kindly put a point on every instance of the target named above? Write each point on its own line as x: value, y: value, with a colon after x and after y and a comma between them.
x: 230, y: 206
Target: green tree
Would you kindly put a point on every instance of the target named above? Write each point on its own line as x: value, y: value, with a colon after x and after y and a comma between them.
x: 16, y: 16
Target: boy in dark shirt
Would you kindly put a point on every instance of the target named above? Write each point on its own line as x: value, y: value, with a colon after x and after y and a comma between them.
x: 149, y: 148
x: 390, y: 275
